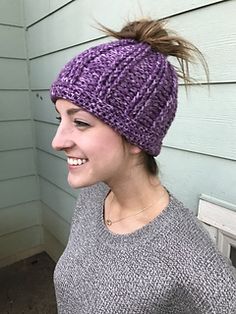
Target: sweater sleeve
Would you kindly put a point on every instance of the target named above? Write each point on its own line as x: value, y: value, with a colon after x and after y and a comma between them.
x: 210, y: 284
x: 207, y: 279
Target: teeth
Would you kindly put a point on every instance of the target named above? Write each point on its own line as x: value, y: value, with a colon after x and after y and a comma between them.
x: 76, y: 161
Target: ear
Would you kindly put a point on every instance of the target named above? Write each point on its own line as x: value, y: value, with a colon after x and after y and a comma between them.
x: 134, y: 149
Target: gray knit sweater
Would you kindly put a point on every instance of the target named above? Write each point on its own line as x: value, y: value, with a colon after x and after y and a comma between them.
x: 168, y: 266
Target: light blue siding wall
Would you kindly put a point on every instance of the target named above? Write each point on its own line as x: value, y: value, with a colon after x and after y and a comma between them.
x: 199, y: 151
x: 57, y: 198
x: 19, y: 197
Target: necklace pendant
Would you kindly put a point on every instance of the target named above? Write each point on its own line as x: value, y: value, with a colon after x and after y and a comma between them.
x: 108, y: 222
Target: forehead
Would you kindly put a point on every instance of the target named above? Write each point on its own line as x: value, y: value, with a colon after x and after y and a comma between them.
x: 66, y: 107
x: 62, y: 104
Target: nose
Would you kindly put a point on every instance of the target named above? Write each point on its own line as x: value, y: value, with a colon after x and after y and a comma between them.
x: 62, y: 139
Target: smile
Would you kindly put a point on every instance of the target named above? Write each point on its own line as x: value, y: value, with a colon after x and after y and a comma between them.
x: 76, y: 161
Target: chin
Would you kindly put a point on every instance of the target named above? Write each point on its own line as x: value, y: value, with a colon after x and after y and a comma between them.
x: 76, y: 183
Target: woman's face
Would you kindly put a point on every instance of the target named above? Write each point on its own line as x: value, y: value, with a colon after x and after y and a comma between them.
x: 94, y: 151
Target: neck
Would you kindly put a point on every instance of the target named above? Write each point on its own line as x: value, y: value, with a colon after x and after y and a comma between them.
x: 133, y: 192
x: 134, y: 202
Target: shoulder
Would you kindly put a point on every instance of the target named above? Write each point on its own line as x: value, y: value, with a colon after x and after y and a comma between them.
x: 201, y: 269
x: 186, y: 226
x: 189, y: 237
x: 182, y: 225
x: 89, y: 199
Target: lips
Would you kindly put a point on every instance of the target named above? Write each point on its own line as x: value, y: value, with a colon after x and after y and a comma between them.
x: 72, y: 161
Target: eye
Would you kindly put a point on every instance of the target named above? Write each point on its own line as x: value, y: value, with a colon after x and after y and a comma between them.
x: 81, y: 124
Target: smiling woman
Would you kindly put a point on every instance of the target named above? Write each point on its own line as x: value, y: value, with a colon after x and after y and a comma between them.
x: 133, y: 247
x: 94, y: 150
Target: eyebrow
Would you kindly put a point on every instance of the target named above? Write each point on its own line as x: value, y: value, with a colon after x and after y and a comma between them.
x: 71, y: 111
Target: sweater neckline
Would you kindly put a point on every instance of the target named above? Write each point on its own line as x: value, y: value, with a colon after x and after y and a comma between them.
x: 155, y: 227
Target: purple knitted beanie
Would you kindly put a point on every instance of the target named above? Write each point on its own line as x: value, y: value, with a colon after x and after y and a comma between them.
x: 127, y: 85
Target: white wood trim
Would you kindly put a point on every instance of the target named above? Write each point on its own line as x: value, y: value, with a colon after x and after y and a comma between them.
x: 21, y: 255
x: 217, y: 216
x: 225, y: 242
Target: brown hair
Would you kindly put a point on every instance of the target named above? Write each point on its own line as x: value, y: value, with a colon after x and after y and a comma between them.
x: 167, y: 42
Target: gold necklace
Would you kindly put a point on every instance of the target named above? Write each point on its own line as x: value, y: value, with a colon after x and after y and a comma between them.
x: 109, y: 222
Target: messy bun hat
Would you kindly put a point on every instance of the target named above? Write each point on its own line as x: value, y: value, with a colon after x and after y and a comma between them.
x: 127, y: 83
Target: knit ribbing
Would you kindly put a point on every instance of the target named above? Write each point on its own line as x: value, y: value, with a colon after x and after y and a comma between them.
x: 169, y: 266
x: 125, y: 84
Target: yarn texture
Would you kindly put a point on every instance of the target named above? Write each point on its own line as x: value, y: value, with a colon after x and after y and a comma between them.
x: 169, y: 266
x: 125, y: 84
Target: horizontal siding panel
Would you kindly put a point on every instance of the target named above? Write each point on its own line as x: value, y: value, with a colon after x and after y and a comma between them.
x: 44, y: 70
x: 57, y: 226
x: 16, y: 164
x: 12, y: 41
x: 214, y: 34
x: 217, y: 40
x: 43, y: 107
x: 40, y: 41
x: 61, y: 202
x: 16, y: 135
x: 13, y: 74
x: 19, y: 217
x: 11, y: 12
x: 17, y: 242
x: 17, y: 191
x: 206, y: 121
x: 37, y: 10
x: 188, y: 175
x: 19, y: 256
x: 52, y: 246
x: 55, y: 170
x: 44, y: 136
x: 14, y: 105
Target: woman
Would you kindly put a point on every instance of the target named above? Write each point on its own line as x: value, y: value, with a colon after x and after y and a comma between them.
x: 133, y: 247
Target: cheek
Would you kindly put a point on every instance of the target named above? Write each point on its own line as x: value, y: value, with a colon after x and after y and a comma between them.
x: 106, y: 146
x: 110, y: 144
